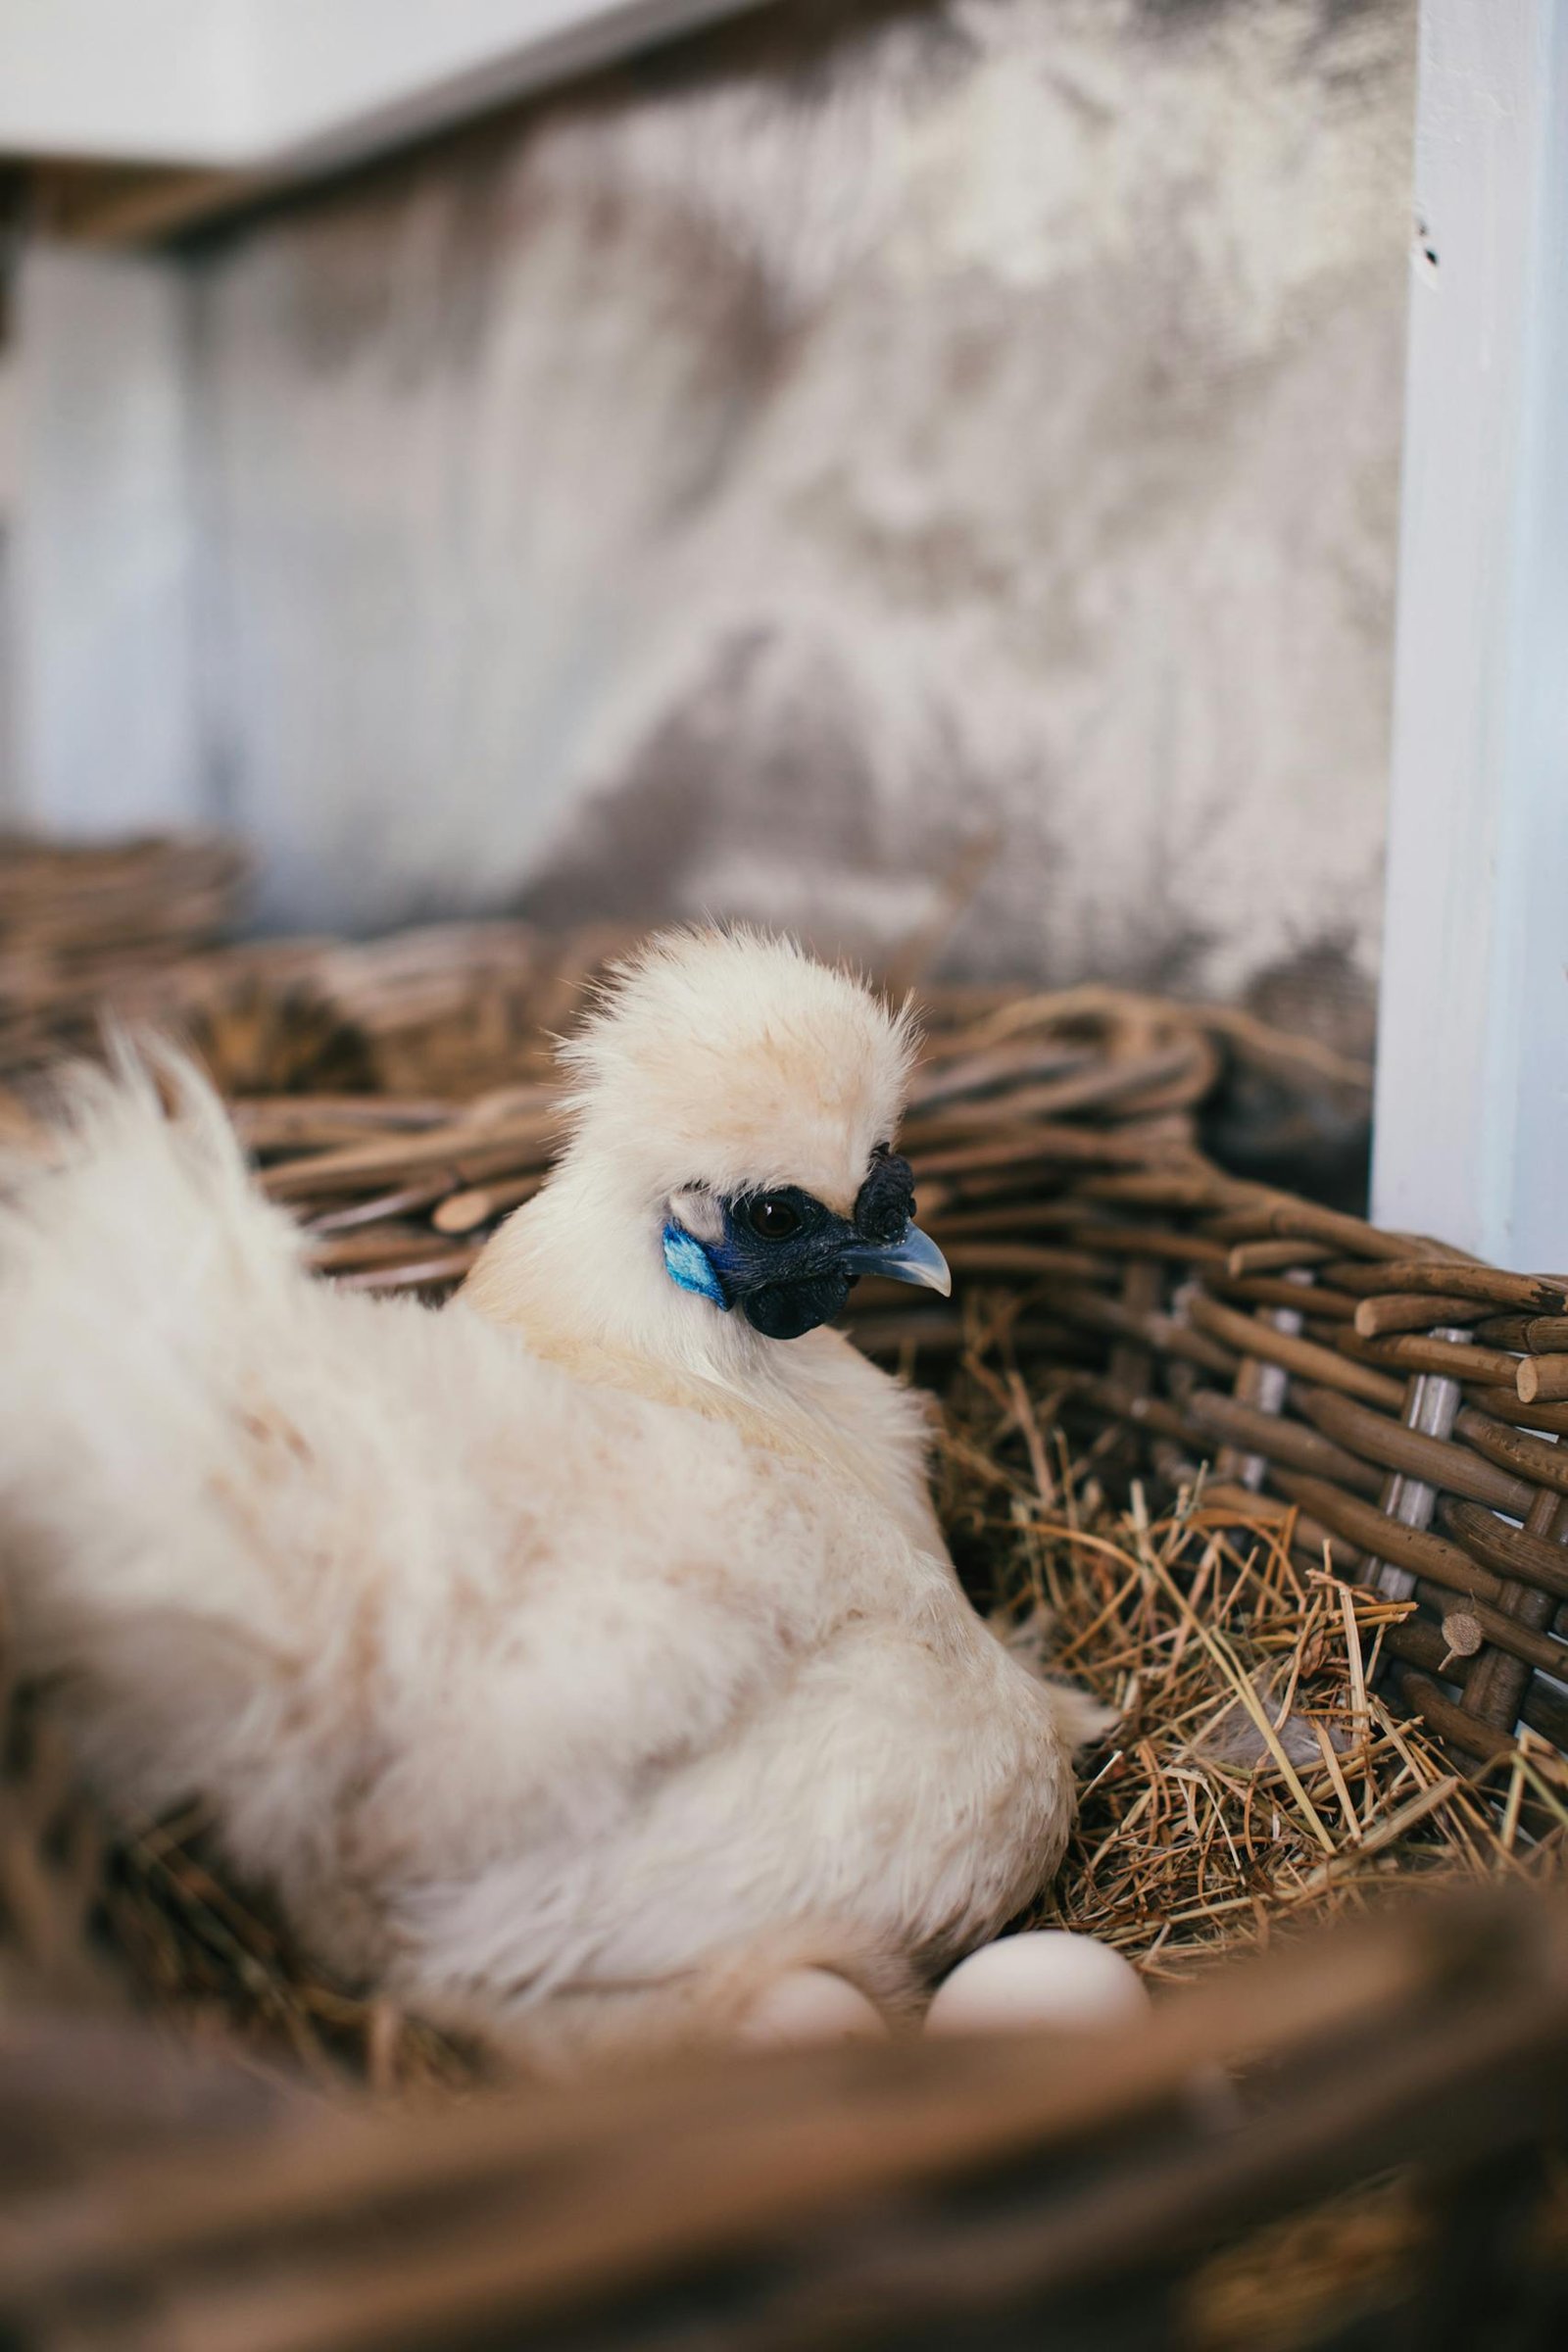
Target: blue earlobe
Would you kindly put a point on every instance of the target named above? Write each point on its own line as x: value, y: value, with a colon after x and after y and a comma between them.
x: 691, y: 1268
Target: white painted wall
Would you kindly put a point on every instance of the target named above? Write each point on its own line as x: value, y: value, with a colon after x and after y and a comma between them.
x: 743, y: 482
x: 1472, y: 1106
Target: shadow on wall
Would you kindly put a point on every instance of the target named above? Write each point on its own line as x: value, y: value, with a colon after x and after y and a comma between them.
x: 759, y: 480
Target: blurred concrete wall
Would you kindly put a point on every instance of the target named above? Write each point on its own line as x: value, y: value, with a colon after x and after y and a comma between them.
x: 866, y: 444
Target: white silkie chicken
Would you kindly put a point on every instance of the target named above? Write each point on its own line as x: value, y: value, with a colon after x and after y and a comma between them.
x: 576, y: 1658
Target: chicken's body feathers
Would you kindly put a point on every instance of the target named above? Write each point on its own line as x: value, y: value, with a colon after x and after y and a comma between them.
x: 555, y: 1695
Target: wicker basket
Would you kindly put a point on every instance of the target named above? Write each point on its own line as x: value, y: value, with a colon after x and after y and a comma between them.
x: 80, y: 926
x: 1162, y: 2190
x: 1400, y: 1404
x: 1221, y: 1352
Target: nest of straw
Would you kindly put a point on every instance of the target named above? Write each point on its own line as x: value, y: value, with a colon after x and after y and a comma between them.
x: 1125, y: 1404
x: 399, y: 1097
x: 1257, y: 1778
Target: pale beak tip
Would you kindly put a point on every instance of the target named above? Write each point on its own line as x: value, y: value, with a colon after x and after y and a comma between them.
x: 926, y: 1263
x: 915, y: 1258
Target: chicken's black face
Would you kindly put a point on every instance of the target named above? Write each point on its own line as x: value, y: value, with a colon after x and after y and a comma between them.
x: 789, y: 1263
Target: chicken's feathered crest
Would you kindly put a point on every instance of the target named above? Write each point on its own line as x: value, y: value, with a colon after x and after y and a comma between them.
x: 733, y: 1060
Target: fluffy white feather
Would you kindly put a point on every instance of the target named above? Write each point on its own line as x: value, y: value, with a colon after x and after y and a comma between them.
x: 569, y: 1659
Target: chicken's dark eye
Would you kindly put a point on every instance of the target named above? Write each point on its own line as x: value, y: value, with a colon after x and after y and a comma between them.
x: 773, y: 1219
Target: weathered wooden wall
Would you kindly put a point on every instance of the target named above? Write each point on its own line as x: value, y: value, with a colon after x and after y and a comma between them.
x: 860, y: 433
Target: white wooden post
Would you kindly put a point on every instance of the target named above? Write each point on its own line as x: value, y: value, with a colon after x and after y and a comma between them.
x: 1472, y: 1095
x: 102, y: 716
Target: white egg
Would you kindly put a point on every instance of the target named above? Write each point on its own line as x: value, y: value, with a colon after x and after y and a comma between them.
x: 810, y: 2004
x: 1044, y: 1978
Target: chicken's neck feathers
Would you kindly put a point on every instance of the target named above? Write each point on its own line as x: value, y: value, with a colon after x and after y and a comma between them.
x: 580, y: 1272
